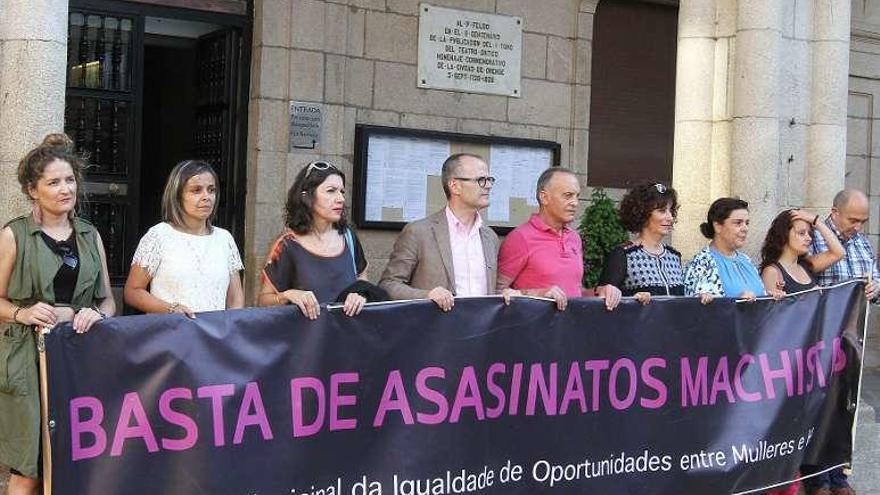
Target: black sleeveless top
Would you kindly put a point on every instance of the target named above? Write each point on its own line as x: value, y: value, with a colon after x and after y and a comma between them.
x: 64, y: 282
x: 792, y: 285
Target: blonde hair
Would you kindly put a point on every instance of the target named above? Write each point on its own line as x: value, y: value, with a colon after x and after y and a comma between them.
x: 172, y: 210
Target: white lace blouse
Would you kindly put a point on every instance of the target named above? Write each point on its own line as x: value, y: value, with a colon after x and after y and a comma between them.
x: 192, y: 270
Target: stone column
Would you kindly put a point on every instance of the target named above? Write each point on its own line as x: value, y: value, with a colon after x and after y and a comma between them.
x: 755, y: 147
x: 33, y: 60
x: 826, y: 160
x: 694, y: 96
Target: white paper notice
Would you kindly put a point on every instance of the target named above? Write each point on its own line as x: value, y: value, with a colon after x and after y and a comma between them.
x: 416, y: 184
x: 430, y: 155
x: 376, y: 157
x: 501, y: 169
x: 397, y: 165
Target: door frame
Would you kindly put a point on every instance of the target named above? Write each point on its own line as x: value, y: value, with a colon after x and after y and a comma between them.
x: 139, y: 11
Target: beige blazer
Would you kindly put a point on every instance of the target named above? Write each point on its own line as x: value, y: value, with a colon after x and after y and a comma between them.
x: 422, y: 259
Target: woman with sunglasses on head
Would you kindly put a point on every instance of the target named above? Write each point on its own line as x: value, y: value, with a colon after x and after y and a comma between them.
x: 188, y: 264
x: 52, y: 269
x: 646, y: 266
x: 720, y: 269
x: 318, y: 256
x: 785, y: 260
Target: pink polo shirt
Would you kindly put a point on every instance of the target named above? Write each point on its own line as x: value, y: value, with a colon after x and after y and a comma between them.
x: 469, y: 264
x: 535, y: 256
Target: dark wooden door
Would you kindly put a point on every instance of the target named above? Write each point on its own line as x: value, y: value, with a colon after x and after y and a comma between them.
x: 102, y: 115
x: 104, y: 112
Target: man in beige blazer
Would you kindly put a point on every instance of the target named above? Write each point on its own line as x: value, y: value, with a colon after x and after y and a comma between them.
x: 450, y: 253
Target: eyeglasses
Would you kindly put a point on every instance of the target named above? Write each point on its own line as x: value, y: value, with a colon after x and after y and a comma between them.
x: 660, y: 188
x: 481, y: 181
x: 318, y: 165
x: 68, y: 257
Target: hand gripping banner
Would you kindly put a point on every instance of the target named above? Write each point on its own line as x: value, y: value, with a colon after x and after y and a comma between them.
x: 672, y: 397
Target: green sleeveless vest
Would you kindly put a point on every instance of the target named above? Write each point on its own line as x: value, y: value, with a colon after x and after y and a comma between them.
x: 32, y: 281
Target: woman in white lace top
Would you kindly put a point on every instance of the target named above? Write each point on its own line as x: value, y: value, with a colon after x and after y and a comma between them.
x: 188, y: 264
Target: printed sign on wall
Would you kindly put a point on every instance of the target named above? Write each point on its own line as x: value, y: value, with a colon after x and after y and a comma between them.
x: 469, y: 51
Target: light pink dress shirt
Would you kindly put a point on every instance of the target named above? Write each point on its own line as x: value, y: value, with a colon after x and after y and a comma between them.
x: 467, y: 256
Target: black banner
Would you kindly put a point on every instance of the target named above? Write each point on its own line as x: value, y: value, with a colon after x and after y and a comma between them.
x: 673, y: 397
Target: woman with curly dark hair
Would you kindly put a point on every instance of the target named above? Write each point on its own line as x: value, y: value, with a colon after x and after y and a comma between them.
x: 645, y: 266
x: 785, y: 263
x: 318, y: 256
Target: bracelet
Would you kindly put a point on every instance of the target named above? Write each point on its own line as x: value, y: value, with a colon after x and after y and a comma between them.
x: 815, y: 220
x: 279, y: 299
x: 102, y: 314
x: 15, y: 314
x: 173, y: 307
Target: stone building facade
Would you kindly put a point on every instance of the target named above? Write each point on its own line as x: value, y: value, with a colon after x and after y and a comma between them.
x: 359, y: 59
x: 764, y: 107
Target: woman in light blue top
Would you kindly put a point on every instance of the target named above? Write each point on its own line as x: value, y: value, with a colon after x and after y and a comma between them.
x: 720, y: 269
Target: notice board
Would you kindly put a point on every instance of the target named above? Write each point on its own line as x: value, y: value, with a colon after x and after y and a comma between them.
x: 397, y: 173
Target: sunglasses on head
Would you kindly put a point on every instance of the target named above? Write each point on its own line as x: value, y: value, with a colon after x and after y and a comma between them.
x: 660, y: 188
x: 318, y: 165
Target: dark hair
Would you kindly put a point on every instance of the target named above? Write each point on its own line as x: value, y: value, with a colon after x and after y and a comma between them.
x: 172, y: 209
x: 545, y: 177
x: 54, y: 147
x: 300, y: 197
x: 638, y: 203
x: 777, y: 238
x: 719, y: 212
x: 450, y: 169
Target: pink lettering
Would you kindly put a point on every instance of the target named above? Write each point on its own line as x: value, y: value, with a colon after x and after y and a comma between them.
x: 654, y: 383
x: 216, y: 393
x: 741, y: 368
x: 133, y: 409
x: 574, y: 389
x: 694, y: 388
x: 770, y: 374
x: 91, y: 426
x: 495, y: 390
x: 467, y: 395
x: 393, y: 399
x: 251, y: 399
x: 190, y: 430
x: 432, y: 396
x: 298, y: 386
x: 630, y: 367
x: 338, y: 401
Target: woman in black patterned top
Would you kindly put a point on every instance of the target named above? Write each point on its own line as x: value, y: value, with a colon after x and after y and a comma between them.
x: 646, y: 266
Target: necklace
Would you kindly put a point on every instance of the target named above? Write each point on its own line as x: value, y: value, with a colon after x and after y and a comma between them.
x: 660, y: 248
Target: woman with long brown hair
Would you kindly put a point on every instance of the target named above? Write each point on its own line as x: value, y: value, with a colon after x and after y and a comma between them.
x: 785, y: 260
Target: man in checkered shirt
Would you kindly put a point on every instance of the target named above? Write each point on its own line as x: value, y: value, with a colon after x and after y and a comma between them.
x: 849, y: 214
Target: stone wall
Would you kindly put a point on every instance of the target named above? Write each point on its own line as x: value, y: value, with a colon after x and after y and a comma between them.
x: 863, y: 109
x: 33, y: 55
x: 760, y: 108
x: 358, y: 58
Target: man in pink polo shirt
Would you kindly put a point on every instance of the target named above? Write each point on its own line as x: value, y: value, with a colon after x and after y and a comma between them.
x: 543, y: 257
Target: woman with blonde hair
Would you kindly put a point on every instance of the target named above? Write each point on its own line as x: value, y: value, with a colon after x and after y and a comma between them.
x: 52, y: 269
x: 189, y: 264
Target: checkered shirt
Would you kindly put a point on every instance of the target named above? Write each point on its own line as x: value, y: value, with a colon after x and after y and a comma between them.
x: 859, y: 259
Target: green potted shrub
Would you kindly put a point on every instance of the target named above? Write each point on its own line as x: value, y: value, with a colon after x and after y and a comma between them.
x: 600, y: 232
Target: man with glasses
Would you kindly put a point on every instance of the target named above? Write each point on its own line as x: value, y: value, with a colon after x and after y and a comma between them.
x: 849, y: 214
x: 544, y: 257
x: 450, y: 253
